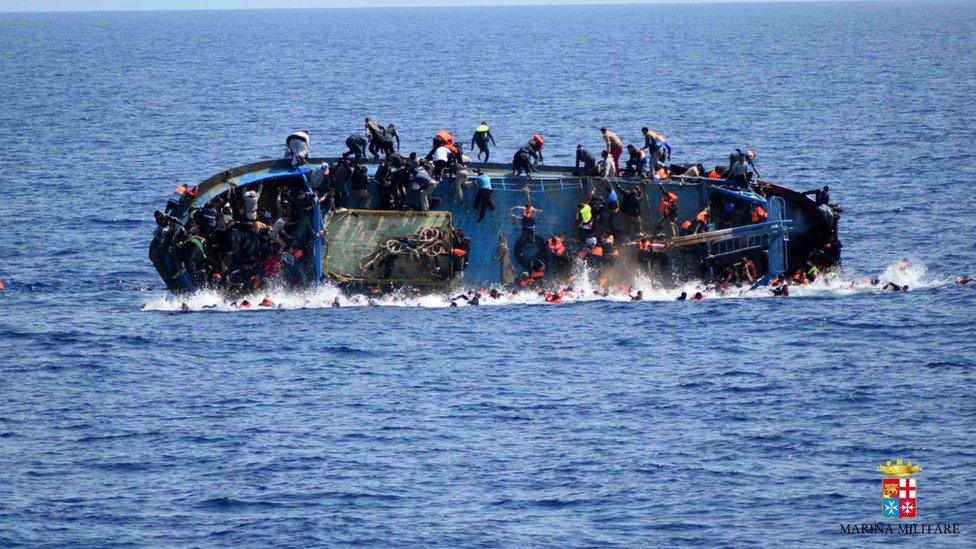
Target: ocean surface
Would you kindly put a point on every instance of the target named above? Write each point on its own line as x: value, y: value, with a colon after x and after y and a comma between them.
x: 739, y: 421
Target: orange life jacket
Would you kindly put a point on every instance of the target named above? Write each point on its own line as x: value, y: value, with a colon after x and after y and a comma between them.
x: 459, y: 252
x: 533, y: 277
x: 667, y: 204
x: 759, y: 214
x: 661, y: 173
x: 702, y: 217
x: 714, y: 175
x: 686, y: 225
x: 447, y: 137
x: 553, y: 297
x: 539, y: 141
x: 556, y: 246
x: 597, y: 251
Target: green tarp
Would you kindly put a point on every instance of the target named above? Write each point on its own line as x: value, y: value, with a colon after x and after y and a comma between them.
x: 353, y: 238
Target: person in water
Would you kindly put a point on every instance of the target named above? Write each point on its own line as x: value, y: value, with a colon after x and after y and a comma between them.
x: 356, y: 143
x: 481, y: 139
x: 484, y: 200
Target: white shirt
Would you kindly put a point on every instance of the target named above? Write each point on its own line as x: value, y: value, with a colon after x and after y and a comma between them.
x: 441, y: 153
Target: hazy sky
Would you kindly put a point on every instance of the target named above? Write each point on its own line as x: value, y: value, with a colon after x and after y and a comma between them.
x: 86, y: 5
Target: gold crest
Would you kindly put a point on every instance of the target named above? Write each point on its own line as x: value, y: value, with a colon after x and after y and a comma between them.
x: 899, y: 469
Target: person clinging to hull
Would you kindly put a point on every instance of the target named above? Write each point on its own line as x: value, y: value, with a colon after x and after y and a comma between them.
x: 742, y: 167
x: 391, y: 135
x: 484, y: 199
x: 656, y: 145
x: 605, y: 168
x: 356, y: 143
x: 375, y: 134
x: 585, y: 162
x: 528, y: 156
x: 297, y: 147
x: 638, y: 163
x: 481, y: 139
x: 667, y: 208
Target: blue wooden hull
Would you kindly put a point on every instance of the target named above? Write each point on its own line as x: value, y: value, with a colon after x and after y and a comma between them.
x: 785, y: 244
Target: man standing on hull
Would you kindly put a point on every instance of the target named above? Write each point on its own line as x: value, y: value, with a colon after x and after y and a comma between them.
x: 614, y: 145
x: 482, y: 136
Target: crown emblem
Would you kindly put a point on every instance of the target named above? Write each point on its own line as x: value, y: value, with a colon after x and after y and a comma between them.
x: 899, y: 469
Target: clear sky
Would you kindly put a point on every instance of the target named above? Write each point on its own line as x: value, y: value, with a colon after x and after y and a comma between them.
x: 87, y: 5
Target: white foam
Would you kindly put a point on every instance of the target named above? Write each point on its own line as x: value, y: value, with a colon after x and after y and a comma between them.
x: 835, y: 283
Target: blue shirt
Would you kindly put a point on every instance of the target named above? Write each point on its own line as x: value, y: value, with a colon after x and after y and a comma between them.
x: 484, y: 182
x: 612, y: 197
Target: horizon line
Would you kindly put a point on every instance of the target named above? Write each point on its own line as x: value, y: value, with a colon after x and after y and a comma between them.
x: 425, y: 4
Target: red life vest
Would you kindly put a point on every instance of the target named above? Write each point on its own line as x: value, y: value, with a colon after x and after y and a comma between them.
x: 539, y: 141
x: 556, y: 246
x: 447, y: 137
x: 667, y: 205
x: 759, y: 214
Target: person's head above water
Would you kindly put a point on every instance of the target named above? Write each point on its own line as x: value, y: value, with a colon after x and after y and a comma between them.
x: 603, y: 129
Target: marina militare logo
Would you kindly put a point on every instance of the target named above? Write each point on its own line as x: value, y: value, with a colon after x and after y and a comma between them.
x: 899, y: 490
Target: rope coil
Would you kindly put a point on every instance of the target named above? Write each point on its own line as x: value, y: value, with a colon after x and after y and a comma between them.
x: 427, y: 242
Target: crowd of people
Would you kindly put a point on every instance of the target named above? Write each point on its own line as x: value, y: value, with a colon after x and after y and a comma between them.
x: 238, y: 240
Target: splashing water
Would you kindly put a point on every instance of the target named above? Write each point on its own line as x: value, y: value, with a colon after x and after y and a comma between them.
x: 835, y: 283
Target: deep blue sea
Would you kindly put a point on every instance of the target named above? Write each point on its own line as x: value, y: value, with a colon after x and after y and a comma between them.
x: 725, y: 423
